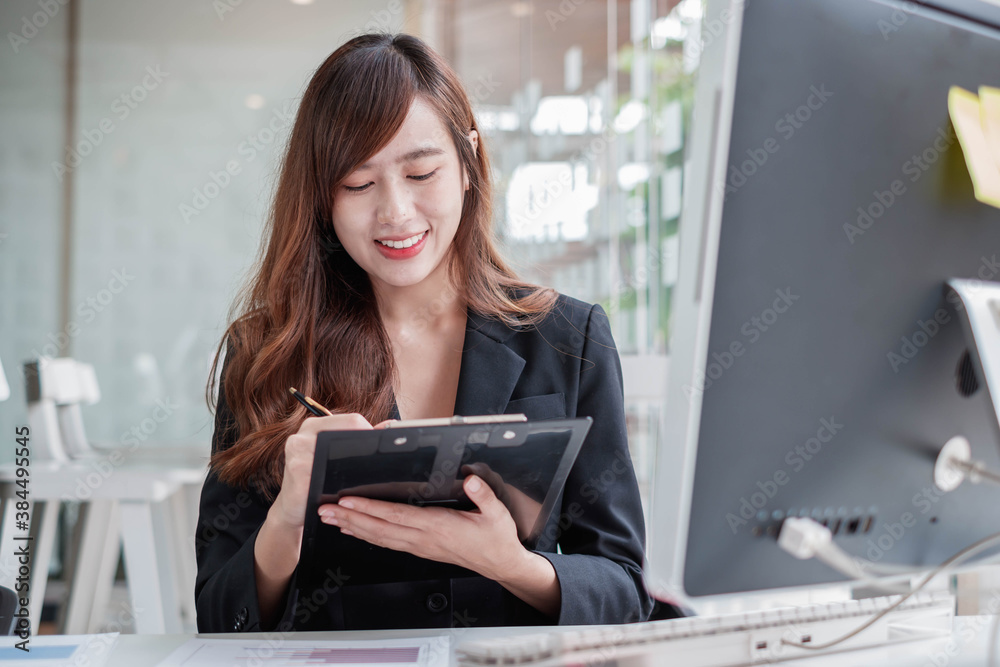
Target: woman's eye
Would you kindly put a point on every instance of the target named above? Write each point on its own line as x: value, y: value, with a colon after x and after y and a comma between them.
x: 362, y: 188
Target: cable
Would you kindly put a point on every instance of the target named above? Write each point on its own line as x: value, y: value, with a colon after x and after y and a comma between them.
x: 862, y: 569
x: 839, y: 560
x: 975, y: 469
x: 805, y: 538
x: 960, y: 557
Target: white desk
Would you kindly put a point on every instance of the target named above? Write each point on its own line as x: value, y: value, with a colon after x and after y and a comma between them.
x: 970, y: 638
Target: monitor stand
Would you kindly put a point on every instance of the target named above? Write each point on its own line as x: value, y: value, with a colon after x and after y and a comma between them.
x: 977, y: 303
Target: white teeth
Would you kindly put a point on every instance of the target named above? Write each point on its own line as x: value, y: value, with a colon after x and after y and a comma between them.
x: 405, y: 243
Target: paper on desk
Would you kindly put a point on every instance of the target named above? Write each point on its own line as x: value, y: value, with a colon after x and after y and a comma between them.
x: 974, y: 119
x: 419, y: 652
x: 58, y: 650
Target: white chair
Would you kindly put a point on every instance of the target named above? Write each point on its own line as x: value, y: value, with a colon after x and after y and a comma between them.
x: 4, y: 387
x: 139, y: 501
x: 56, y: 388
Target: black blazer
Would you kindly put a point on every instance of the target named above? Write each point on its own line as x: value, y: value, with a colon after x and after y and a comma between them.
x: 567, y: 366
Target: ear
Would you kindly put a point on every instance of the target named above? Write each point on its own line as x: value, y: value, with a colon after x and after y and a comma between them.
x: 474, y: 140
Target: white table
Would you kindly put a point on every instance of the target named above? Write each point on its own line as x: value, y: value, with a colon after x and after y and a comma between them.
x: 968, y: 643
x: 140, y: 501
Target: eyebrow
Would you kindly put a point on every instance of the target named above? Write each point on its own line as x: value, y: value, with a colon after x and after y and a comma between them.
x: 411, y: 156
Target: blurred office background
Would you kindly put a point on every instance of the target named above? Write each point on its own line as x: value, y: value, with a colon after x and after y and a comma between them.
x: 123, y: 238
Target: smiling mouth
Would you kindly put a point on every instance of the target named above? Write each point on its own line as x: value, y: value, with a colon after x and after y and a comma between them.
x: 405, y: 243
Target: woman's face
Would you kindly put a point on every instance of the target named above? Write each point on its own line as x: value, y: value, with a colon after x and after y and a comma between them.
x: 409, y: 194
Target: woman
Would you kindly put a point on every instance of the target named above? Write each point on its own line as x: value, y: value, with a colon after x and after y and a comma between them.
x: 381, y: 294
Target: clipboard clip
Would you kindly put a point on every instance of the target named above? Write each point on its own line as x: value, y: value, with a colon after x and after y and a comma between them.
x: 458, y: 419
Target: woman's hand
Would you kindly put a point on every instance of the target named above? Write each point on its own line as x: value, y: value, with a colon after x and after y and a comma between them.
x: 436, y: 533
x: 276, y: 550
x: 523, y: 509
x: 289, y: 506
x: 485, y: 542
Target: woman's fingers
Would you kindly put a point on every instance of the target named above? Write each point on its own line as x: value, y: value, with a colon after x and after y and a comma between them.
x: 487, y: 474
x: 381, y: 526
x: 300, y: 449
x: 482, y: 495
x: 398, y: 513
x: 346, y: 422
x: 435, y: 533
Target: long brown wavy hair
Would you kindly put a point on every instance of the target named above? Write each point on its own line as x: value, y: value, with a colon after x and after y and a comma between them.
x: 308, y: 317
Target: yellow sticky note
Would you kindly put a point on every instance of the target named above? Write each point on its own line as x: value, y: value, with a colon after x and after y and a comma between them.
x: 966, y: 115
x: 989, y: 112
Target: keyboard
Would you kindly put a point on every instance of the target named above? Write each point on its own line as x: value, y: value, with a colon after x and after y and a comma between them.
x: 725, y: 640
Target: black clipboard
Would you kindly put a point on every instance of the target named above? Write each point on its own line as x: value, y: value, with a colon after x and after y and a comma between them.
x: 526, y: 464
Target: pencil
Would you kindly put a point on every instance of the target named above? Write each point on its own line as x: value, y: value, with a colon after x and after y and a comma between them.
x: 311, y: 405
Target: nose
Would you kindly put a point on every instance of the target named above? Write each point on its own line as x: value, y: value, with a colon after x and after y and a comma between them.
x: 395, y: 205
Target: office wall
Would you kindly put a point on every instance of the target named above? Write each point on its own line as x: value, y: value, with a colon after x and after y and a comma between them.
x: 170, y: 205
x: 32, y: 98
x: 168, y: 95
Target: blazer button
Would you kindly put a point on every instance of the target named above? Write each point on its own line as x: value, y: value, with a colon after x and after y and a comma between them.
x: 241, y: 619
x: 436, y: 602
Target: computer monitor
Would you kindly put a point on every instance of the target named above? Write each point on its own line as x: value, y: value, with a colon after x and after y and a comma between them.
x: 817, y: 367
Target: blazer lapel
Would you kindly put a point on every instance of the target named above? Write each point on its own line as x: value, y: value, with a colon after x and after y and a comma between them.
x: 489, y: 371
